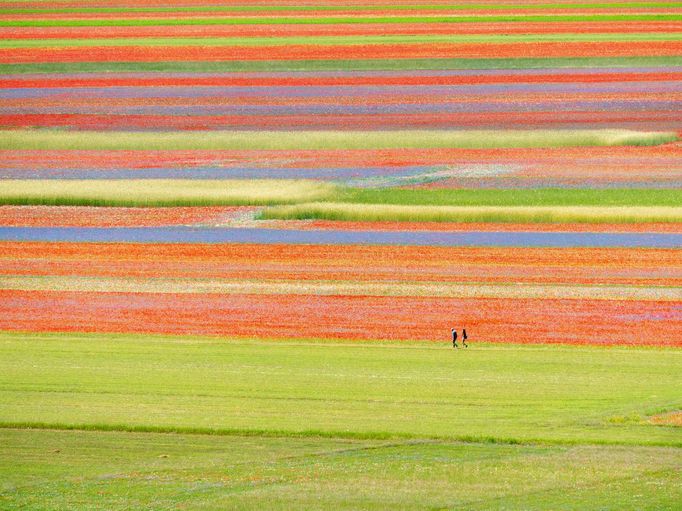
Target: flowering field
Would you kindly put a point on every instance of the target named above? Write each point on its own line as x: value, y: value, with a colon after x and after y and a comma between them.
x: 237, y: 234
x: 527, y: 295
x: 517, y: 128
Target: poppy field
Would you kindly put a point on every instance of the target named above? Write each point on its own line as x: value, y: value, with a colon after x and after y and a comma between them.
x: 234, y: 239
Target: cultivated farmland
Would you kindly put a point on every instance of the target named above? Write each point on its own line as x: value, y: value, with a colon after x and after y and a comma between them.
x: 234, y: 238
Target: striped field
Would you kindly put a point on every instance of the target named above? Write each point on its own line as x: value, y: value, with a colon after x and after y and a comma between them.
x: 434, y: 125
x: 235, y: 236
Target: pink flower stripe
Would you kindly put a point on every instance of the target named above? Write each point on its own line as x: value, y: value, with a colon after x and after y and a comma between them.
x: 347, y: 317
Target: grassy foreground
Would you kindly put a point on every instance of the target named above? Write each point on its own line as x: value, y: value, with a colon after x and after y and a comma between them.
x: 375, y: 390
x: 115, y: 421
x: 310, y: 140
x: 64, y: 470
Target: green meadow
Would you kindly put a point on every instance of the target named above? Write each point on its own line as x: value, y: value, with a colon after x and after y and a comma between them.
x: 514, y: 197
x: 118, y: 421
x: 337, y: 65
x: 489, y: 393
x: 474, y: 214
x: 336, y: 40
x: 65, y: 470
x: 538, y: 205
x: 324, y: 20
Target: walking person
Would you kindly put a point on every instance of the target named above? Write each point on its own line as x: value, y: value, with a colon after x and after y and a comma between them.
x: 464, y: 338
x: 454, y: 337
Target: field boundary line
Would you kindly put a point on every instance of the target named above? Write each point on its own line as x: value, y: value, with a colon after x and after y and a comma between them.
x: 418, y: 344
x: 275, y: 433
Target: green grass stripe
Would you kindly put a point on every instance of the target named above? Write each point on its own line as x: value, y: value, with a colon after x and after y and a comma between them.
x: 311, y: 140
x: 361, y: 8
x: 284, y: 20
x: 338, y: 65
x: 318, y: 433
x: 337, y: 40
x: 478, y: 214
x: 357, y: 203
x: 515, y: 197
x: 252, y: 432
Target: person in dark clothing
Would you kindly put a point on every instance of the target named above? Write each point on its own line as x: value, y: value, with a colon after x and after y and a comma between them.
x: 454, y: 338
x: 464, y: 338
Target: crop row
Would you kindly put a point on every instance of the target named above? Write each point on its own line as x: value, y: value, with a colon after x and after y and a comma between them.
x: 287, y: 140
x: 502, y: 320
x: 359, y: 263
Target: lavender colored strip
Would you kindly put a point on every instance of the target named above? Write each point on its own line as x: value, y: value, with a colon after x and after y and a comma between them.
x: 348, y: 91
x: 208, y: 173
x: 307, y: 237
x: 380, y: 73
x: 265, y: 110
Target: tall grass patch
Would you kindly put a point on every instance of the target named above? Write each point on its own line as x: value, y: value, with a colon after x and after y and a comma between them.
x: 512, y: 197
x: 161, y: 192
x: 474, y: 214
x: 27, y: 139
